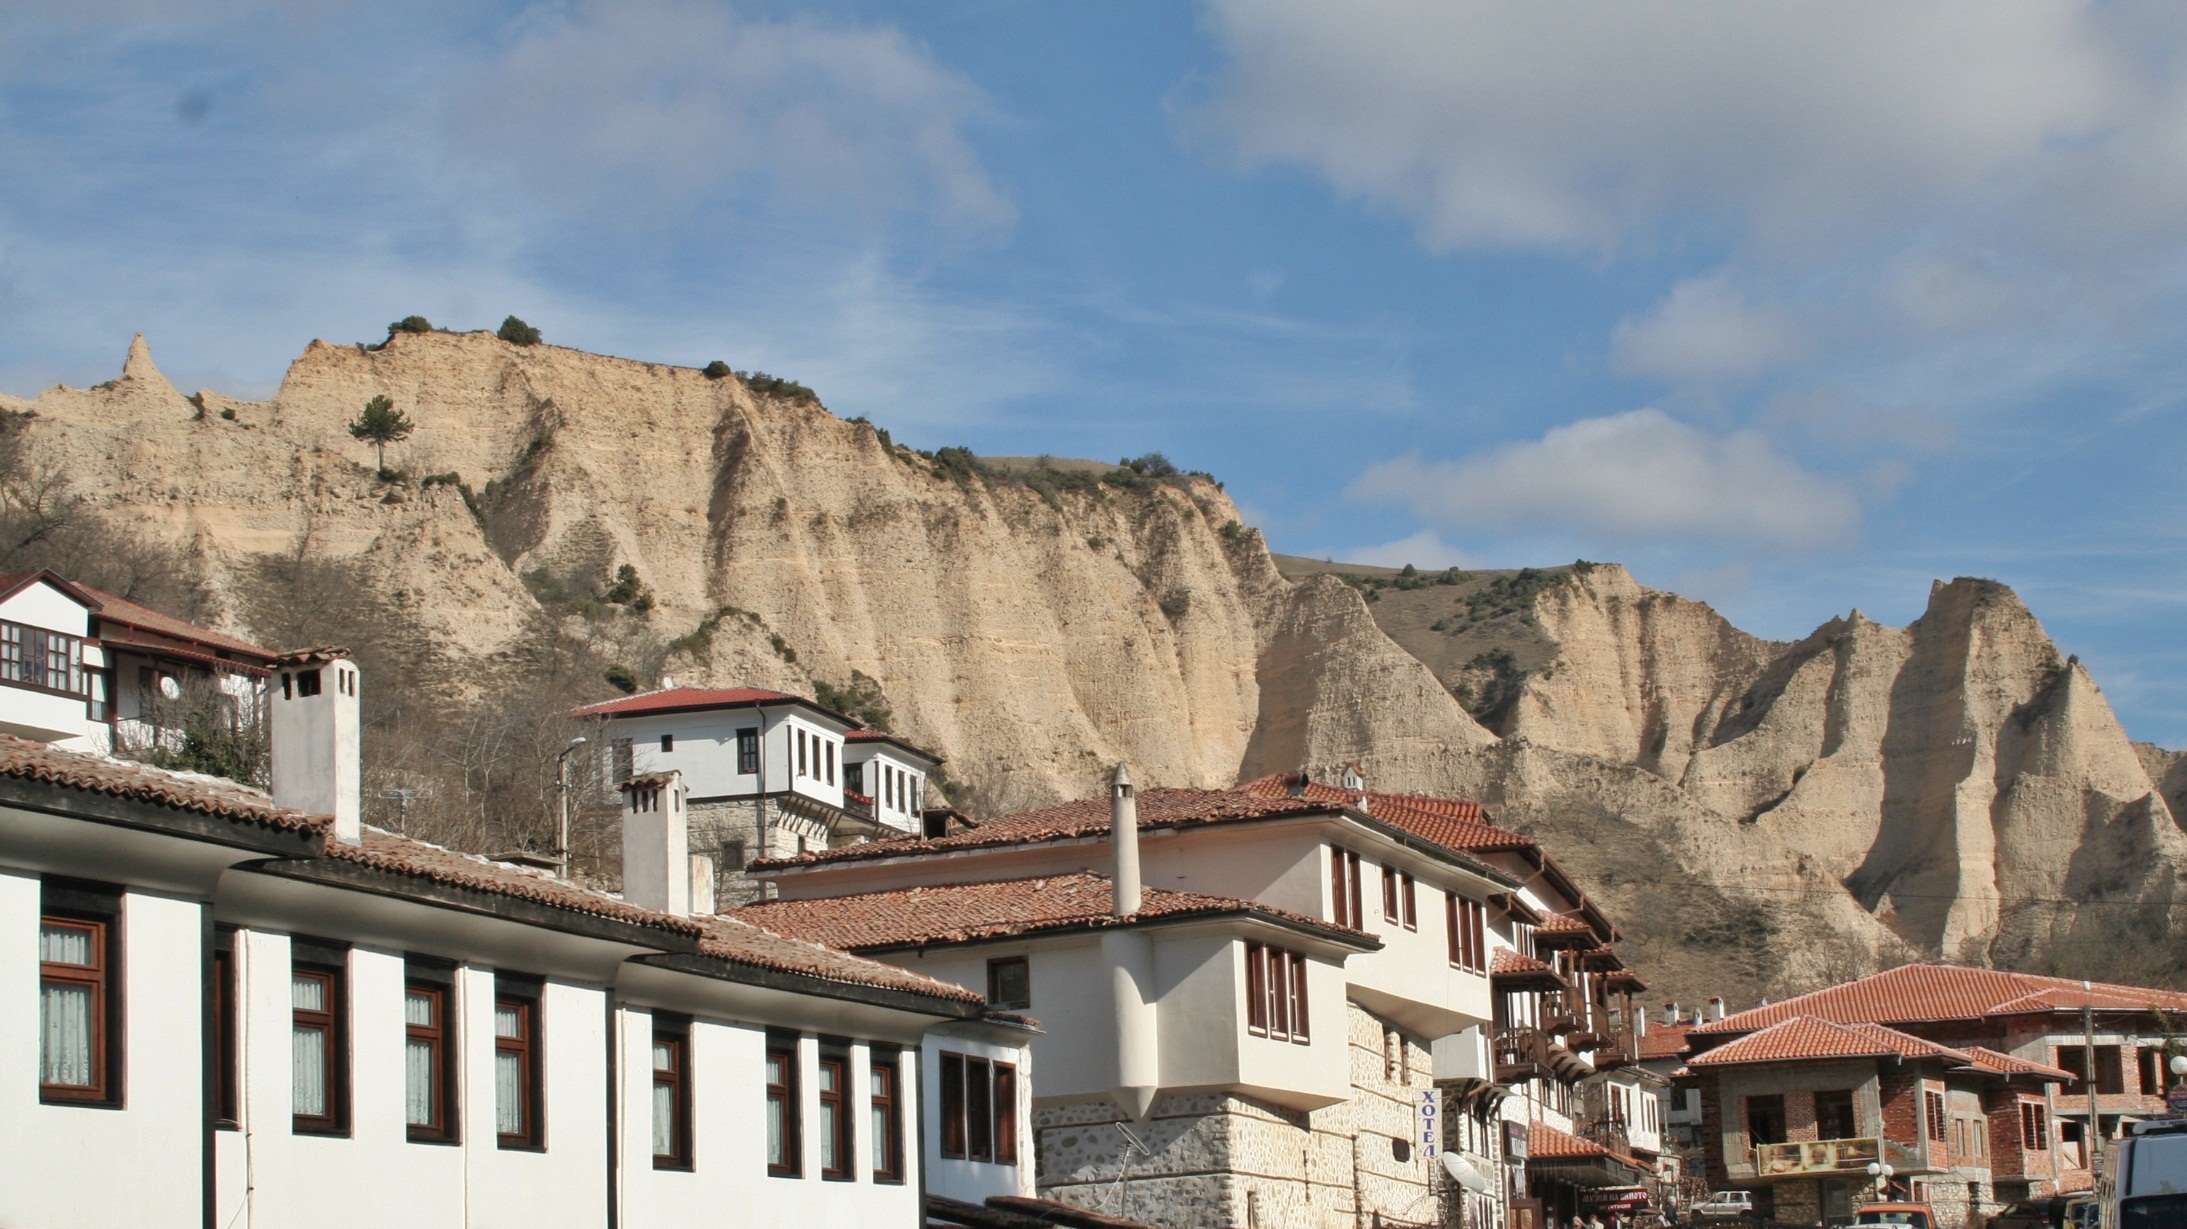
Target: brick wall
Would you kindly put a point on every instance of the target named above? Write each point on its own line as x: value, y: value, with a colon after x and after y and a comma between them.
x: 1712, y: 1131
x: 1800, y: 1116
x: 1901, y: 1098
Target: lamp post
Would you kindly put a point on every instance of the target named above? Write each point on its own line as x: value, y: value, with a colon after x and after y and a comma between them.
x: 562, y: 789
x: 1881, y: 1172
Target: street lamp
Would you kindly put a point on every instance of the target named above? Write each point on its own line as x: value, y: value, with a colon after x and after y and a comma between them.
x: 2178, y: 1065
x: 562, y: 788
x: 1881, y: 1172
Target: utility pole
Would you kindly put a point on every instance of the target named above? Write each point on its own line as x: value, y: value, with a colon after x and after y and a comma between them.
x: 2088, y: 1076
x: 562, y: 787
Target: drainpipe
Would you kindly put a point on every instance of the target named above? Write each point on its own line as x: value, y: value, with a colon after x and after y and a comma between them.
x: 1130, y: 957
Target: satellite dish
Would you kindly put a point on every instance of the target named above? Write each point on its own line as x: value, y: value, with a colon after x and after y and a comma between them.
x: 1464, y: 1174
x: 169, y: 687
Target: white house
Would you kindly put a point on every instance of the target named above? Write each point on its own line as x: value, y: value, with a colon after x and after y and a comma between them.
x: 228, y: 1009
x: 769, y: 773
x: 1270, y: 1005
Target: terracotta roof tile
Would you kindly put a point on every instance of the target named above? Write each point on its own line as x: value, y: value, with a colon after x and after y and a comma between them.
x: 1798, y: 1038
x: 678, y: 699
x: 144, y: 618
x: 1505, y: 961
x: 403, y: 856
x: 1925, y: 993
x: 1663, y: 1041
x: 1546, y: 1142
x: 1455, y: 823
x: 738, y: 941
x: 1564, y: 924
x: 184, y: 791
x: 963, y: 912
x: 2006, y: 1064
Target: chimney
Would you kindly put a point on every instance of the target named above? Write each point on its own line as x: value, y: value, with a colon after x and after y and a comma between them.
x: 1295, y: 783
x: 657, y: 870
x: 1354, y: 781
x: 1670, y: 1014
x: 315, y: 723
x: 1716, y: 1007
x: 1124, y: 843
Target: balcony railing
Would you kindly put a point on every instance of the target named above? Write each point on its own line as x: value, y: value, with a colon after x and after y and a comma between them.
x: 1817, y: 1156
x: 858, y: 804
x: 1522, y: 1054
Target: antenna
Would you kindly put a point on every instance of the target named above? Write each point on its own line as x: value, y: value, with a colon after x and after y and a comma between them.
x: 1131, y: 1139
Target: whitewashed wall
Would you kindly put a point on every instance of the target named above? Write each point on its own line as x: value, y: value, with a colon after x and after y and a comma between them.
x: 705, y: 751
x: 975, y: 1181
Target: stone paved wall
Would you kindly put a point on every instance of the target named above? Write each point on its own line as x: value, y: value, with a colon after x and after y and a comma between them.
x: 1229, y: 1162
x: 717, y: 827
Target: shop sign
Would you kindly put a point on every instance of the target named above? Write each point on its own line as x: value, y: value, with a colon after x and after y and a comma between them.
x: 1428, y: 1112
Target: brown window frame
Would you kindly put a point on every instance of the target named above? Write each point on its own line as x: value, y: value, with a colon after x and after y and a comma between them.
x: 227, y: 1100
x: 1346, y: 906
x: 884, y: 1074
x: 1392, y: 911
x: 784, y: 1093
x: 1409, y: 894
x: 440, y: 1034
x: 1933, y: 1107
x: 1466, y: 921
x: 954, y: 1138
x: 88, y: 910
x: 979, y: 1109
x: 836, y: 1129
x: 674, y: 1032
x: 333, y: 1021
x: 1005, y: 1102
x: 1256, y: 991
x: 529, y: 1047
x: 1276, y: 1005
x: 2034, y: 1126
x: 748, y: 752
x: 995, y: 969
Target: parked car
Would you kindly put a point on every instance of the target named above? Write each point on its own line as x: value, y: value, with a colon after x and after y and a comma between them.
x: 2149, y: 1179
x: 1911, y: 1215
x: 1723, y: 1206
x: 2081, y: 1212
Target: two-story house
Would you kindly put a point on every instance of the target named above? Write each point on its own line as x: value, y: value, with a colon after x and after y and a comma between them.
x: 224, y: 1008
x: 770, y: 774
x: 1269, y: 1005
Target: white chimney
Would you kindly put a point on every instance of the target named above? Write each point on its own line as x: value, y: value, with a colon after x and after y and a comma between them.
x: 1354, y: 782
x: 1670, y: 1013
x: 317, y: 725
x: 1716, y: 1007
x: 1124, y: 843
x: 656, y: 843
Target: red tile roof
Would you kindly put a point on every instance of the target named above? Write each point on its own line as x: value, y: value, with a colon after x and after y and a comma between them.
x: 1564, y: 924
x: 682, y: 699
x: 401, y: 855
x: 1454, y: 823
x: 184, y: 791
x: 1928, y: 993
x: 1087, y: 817
x: 738, y: 941
x: 1504, y: 961
x: 1545, y: 1142
x: 1799, y: 1038
x: 964, y: 912
x: 2006, y: 1064
x: 1663, y: 1041
x: 121, y: 610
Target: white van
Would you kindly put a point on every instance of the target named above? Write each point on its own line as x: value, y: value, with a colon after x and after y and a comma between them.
x: 2149, y: 1178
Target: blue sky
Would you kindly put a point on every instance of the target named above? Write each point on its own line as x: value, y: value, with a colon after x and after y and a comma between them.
x: 1792, y: 308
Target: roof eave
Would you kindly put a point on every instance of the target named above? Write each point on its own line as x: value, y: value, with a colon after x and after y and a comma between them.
x: 722, y: 968
x: 1299, y: 926
x: 235, y: 832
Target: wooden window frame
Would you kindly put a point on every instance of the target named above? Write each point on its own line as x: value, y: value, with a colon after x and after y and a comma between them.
x: 785, y: 1094
x: 955, y: 1139
x: 828, y: 745
x: 1256, y: 991
x: 800, y: 732
x: 885, y: 1074
x: 995, y: 968
x: 227, y: 1085
x: 838, y: 1127
x: 1932, y: 1103
x: 102, y: 978
x: 333, y: 1022
x: 529, y: 1047
x: 1346, y: 906
x: 1392, y: 911
x: 1301, y: 1026
x: 979, y: 1109
x: 441, y: 1036
x: 1409, y: 897
x: 674, y: 1032
x: 2034, y: 1126
x: 748, y: 752
x: 1005, y: 1103
x: 1276, y: 1005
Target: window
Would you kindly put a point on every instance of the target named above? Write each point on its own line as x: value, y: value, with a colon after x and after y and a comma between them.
x: 888, y: 1136
x: 1006, y: 1114
x: 79, y: 997
x: 835, y: 1119
x: 784, y: 1157
x: 1766, y: 1119
x: 2034, y: 1126
x: 428, y: 1080
x: 2150, y: 1059
x: 1009, y: 982
x: 829, y: 749
x: 953, y: 1133
x: 623, y: 767
x: 671, y: 1092
x: 519, y: 1111
x: 225, y: 1100
x: 319, y: 1045
x: 1466, y: 921
x: 1934, y: 1104
x: 979, y: 1110
x: 2110, y: 1071
x: 1346, y: 907
x: 1275, y: 982
x: 2074, y: 1060
x: 49, y: 661
x: 1410, y: 899
x: 668, y: 743
x: 1834, y: 1114
x: 854, y: 778
x: 307, y: 682
x: 801, y: 753
x: 1390, y: 908
x: 748, y: 752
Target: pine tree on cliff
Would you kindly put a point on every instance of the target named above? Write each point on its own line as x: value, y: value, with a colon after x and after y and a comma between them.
x: 381, y: 424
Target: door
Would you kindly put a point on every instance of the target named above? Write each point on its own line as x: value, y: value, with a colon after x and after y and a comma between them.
x: 1526, y: 1214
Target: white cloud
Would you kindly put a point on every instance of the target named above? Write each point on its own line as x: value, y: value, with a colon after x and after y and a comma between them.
x: 1424, y: 549
x: 1704, y: 330
x: 1637, y: 477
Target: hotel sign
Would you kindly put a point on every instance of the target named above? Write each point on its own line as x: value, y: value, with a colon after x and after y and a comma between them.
x: 1819, y: 1156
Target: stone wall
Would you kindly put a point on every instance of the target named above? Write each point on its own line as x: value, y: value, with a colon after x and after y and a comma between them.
x: 730, y: 832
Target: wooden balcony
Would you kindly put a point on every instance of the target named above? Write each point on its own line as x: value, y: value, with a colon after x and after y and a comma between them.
x: 1522, y: 1054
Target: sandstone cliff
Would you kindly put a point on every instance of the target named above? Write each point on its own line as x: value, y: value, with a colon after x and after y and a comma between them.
x: 1759, y: 815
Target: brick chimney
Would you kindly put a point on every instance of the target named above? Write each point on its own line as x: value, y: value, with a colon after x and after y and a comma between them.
x: 317, y: 724
x: 657, y: 868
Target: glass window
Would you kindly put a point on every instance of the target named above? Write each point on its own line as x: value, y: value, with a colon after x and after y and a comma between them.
x: 72, y: 1009
x: 835, y: 1120
x: 748, y: 752
x: 953, y: 1132
x: 225, y: 1112
x: 888, y: 1145
x: 671, y: 1094
x: 783, y: 1155
x: 979, y: 1110
x: 1009, y: 982
x: 518, y: 1113
x: 1006, y: 1114
x: 428, y: 1080
x: 317, y: 1055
